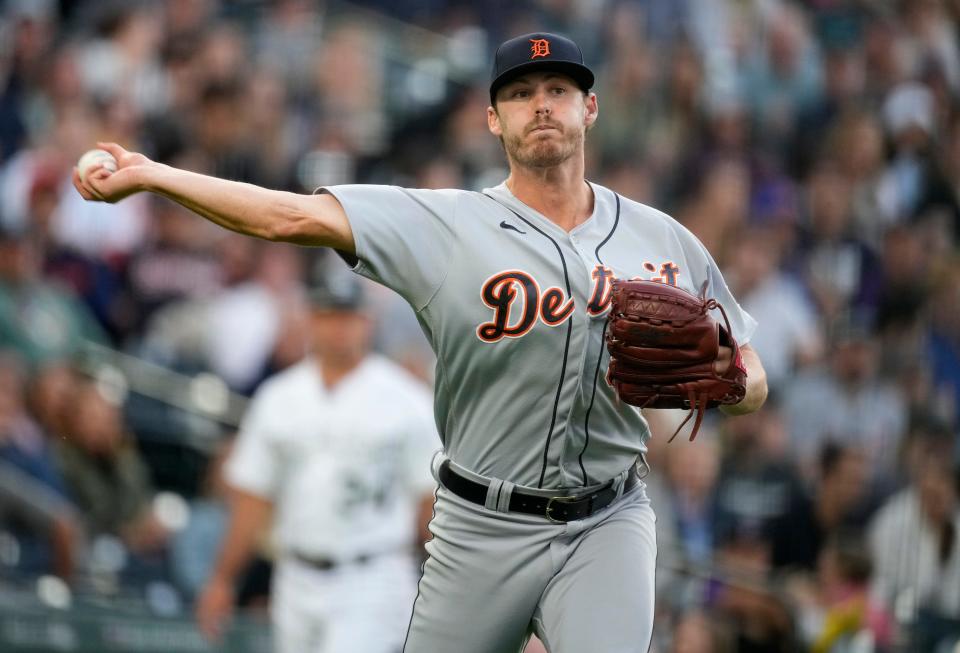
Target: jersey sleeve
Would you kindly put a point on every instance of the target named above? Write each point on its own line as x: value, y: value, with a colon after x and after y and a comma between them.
x: 742, y: 324
x: 704, y: 268
x: 403, y: 237
x: 254, y: 464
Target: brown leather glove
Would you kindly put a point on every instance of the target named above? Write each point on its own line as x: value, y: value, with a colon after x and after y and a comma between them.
x: 663, y: 344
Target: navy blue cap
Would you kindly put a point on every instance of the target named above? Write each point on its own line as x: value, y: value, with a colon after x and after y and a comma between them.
x: 538, y: 51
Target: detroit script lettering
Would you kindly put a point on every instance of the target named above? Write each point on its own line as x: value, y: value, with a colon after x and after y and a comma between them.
x: 518, y: 303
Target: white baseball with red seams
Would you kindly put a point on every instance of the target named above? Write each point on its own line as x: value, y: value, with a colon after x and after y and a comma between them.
x: 91, y: 158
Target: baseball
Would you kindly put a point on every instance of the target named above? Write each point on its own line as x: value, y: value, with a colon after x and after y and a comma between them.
x: 93, y: 157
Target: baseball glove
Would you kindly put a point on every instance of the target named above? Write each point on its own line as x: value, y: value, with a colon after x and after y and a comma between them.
x: 663, y: 344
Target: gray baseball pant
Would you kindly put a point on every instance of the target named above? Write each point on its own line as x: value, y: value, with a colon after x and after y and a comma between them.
x: 492, y: 578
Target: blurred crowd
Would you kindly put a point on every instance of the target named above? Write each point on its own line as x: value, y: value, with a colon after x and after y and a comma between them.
x: 812, y: 145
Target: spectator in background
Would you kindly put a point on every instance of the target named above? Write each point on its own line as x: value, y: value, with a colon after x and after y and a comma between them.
x: 884, y: 66
x: 344, y: 488
x: 844, y: 79
x: 907, y: 271
x: 855, y: 141
x: 193, y: 550
x: 247, y: 321
x: 286, y: 39
x: 775, y: 210
x: 943, y: 339
x: 350, y: 87
x: 915, y: 537
x: 104, y: 473
x: 692, y: 476
x: 925, y: 433
x: 38, y: 320
x: 33, y: 503
x: 846, y: 400
x: 49, y: 389
x: 835, y: 502
x: 757, y: 484
x: 221, y: 138
x: 836, y: 266
x: 788, y: 332
x: 32, y: 28
x: 276, y: 139
x: 24, y: 444
x: 927, y: 39
x: 783, y: 73
x: 718, y: 208
x: 911, y: 175
x: 743, y: 597
x: 175, y: 263
x: 252, y: 326
x: 949, y: 219
x: 698, y: 631
x: 223, y: 57
x: 626, y: 129
x: 674, y: 127
x: 837, y: 612
x: 121, y: 58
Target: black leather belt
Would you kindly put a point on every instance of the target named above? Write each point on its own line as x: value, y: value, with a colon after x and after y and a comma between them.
x: 326, y: 564
x: 559, y: 509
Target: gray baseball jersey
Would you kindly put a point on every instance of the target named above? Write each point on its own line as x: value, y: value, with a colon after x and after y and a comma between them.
x: 515, y: 309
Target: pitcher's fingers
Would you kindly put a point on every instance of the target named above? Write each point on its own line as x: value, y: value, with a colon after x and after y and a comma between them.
x: 94, y: 193
x: 95, y: 175
x: 84, y: 193
x: 116, y: 150
x: 99, y: 171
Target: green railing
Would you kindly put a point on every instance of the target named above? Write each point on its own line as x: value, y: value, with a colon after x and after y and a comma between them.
x: 26, y: 625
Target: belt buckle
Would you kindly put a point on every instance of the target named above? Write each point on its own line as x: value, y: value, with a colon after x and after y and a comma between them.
x: 549, y: 507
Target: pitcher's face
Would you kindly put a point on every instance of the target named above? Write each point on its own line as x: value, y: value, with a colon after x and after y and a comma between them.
x: 542, y: 119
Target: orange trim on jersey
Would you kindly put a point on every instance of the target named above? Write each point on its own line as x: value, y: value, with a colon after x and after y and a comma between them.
x: 603, y: 285
x: 668, y: 267
x: 498, y: 285
x: 550, y: 300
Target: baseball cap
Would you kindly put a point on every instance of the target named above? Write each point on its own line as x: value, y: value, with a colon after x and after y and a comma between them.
x: 538, y: 51
x: 337, y: 293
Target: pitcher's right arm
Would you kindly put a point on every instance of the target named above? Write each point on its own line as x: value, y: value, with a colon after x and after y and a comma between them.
x: 316, y: 220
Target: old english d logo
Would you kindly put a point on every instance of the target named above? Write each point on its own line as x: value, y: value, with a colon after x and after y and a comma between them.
x: 539, y: 48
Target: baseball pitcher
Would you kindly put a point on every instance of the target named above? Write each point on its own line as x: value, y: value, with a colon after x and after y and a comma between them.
x: 526, y: 291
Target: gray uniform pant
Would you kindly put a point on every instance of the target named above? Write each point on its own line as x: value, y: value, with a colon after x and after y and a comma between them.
x: 492, y: 578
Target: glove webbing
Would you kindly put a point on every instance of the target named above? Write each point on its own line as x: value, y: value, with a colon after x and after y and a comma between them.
x: 698, y: 403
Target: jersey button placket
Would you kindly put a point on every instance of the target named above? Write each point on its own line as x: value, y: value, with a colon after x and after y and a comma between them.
x: 567, y: 458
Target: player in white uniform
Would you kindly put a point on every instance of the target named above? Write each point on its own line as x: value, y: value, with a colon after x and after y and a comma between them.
x: 541, y: 522
x: 337, y: 447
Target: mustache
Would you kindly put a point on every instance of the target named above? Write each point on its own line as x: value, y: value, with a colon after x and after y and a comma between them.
x: 543, y: 123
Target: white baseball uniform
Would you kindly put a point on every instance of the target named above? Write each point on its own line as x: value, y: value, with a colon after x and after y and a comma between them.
x: 345, y: 468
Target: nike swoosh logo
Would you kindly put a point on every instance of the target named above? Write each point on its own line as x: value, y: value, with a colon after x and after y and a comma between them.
x: 507, y: 225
